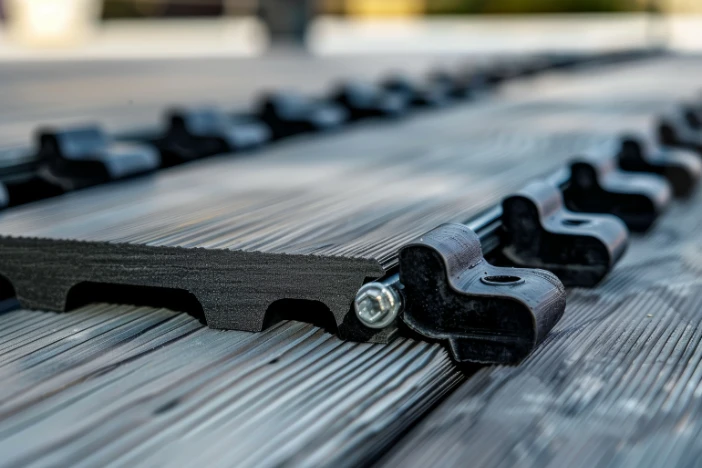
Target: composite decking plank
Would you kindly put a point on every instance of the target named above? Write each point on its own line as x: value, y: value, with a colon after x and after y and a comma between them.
x: 164, y: 389
x: 156, y: 394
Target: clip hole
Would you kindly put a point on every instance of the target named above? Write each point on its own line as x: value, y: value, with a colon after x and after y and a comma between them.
x: 575, y: 222
x: 501, y: 279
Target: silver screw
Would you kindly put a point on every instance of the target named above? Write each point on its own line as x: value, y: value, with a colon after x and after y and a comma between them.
x: 377, y: 304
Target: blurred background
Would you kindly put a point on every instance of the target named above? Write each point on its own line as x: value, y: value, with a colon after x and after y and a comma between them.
x: 152, y: 28
x: 120, y: 62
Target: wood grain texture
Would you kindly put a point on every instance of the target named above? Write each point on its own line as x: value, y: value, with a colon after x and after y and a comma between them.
x: 138, y: 386
x: 348, y: 200
x: 124, y: 384
x: 617, y: 382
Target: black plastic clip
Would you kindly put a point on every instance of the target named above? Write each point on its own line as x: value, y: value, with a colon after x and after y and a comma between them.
x: 432, y: 94
x: 19, y: 174
x: 532, y: 66
x: 562, y: 61
x: 681, y: 128
x: 4, y: 196
x: 199, y: 132
x: 455, y: 85
x: 468, y: 83
x: 540, y: 233
x: 488, y: 314
x: 508, y: 70
x: 367, y: 100
x: 689, y: 114
x: 82, y: 156
x: 289, y: 113
x: 681, y: 167
x: 472, y: 82
x: 597, y: 186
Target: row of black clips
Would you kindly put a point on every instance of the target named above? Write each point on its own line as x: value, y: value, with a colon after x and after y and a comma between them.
x: 67, y: 159
x: 567, y: 230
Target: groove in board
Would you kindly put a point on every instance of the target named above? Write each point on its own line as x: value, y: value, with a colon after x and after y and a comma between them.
x: 140, y: 386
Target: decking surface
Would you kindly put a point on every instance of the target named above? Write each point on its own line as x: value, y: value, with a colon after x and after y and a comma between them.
x: 617, y: 381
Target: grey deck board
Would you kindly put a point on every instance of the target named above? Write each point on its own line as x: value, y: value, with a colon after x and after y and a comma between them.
x: 143, y: 386
x: 136, y: 385
x: 616, y: 383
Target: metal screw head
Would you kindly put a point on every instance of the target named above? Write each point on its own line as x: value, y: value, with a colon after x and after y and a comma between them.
x: 377, y: 305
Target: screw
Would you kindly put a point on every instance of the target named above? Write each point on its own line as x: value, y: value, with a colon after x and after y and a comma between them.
x: 377, y: 304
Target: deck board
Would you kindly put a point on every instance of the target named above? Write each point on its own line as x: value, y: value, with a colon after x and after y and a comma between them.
x: 137, y: 385
x: 144, y: 386
x: 616, y: 383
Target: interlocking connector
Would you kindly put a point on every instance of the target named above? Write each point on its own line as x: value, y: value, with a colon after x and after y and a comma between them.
x: 541, y: 233
x: 488, y: 314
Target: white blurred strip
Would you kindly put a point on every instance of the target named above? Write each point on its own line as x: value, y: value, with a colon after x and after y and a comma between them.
x: 246, y: 36
x: 505, y: 34
x: 686, y: 32
x: 153, y: 39
x: 512, y: 34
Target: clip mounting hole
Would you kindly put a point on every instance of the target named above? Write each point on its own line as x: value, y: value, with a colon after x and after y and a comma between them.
x: 500, y: 280
x: 575, y: 222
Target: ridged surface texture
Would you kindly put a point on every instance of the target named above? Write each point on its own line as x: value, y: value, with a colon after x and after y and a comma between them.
x: 366, y: 191
x: 130, y: 386
x: 618, y: 382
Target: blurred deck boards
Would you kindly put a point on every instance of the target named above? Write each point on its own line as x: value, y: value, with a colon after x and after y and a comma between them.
x: 137, y: 385
x: 125, y: 94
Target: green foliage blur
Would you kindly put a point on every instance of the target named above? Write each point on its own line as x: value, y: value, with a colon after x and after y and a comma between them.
x: 533, y: 6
